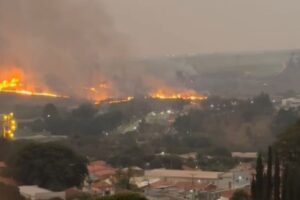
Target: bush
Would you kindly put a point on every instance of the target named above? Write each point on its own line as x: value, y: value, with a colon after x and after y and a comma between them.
x: 240, y: 195
x: 10, y: 193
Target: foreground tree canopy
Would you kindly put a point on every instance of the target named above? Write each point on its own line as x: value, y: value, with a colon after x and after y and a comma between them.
x: 288, y: 147
x: 9, y: 193
x: 49, y: 165
x: 240, y: 195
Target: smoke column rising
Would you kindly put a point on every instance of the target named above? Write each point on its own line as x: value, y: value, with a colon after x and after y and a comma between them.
x: 66, y: 43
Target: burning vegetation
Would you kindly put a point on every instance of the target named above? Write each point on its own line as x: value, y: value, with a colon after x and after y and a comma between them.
x: 170, y: 94
x: 13, y: 81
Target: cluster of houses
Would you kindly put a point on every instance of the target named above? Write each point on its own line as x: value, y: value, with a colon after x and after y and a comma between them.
x: 168, y: 184
x: 158, y: 184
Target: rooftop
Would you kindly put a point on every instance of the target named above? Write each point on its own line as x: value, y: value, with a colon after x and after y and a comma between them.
x: 244, y: 155
x: 32, y: 190
x: 196, y: 174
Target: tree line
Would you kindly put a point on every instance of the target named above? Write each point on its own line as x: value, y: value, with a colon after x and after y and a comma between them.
x: 279, y: 179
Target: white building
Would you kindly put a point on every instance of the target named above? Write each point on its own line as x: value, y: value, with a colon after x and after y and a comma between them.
x: 223, y: 180
x: 290, y: 103
x: 34, y: 192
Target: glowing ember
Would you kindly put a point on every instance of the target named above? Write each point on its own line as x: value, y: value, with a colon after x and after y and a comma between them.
x: 184, y: 95
x: 12, y: 81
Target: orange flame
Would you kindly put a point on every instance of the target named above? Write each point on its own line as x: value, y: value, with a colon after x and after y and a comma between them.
x: 100, y: 92
x: 166, y: 94
x: 12, y: 80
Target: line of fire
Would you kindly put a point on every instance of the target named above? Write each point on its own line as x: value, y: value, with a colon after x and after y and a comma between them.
x: 14, y: 82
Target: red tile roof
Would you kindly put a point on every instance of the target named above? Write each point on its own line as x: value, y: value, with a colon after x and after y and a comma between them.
x: 101, y: 168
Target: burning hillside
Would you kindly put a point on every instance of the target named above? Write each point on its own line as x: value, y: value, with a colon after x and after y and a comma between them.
x: 81, y: 56
x: 176, y: 94
x: 12, y: 80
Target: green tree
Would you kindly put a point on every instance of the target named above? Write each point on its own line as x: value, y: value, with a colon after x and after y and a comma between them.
x: 10, y: 193
x: 4, y: 148
x: 49, y: 165
x: 167, y: 161
x: 123, y: 179
x: 240, y: 195
x: 269, y: 182
x: 288, y: 145
x: 259, y: 178
x: 253, y: 188
x: 263, y: 104
x: 283, y: 120
x: 277, y: 177
x: 84, y: 111
x: 284, y: 186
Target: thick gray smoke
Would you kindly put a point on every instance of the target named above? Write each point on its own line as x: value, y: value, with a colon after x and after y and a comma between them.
x: 68, y: 43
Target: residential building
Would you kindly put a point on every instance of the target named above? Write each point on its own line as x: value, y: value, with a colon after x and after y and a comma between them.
x: 34, y: 192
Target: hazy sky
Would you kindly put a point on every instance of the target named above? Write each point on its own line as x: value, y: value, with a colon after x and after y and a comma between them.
x: 160, y: 27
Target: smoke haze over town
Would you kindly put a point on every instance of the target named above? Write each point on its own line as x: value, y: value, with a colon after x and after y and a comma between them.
x: 149, y: 100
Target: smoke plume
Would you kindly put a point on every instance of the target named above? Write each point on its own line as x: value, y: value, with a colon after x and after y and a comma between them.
x: 66, y: 43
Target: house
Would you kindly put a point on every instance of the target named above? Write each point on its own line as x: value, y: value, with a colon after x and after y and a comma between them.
x: 184, y: 175
x: 100, y: 179
x: 134, y: 171
x: 34, y: 192
x: 192, y: 155
x: 180, y: 190
x: 290, y: 103
x: 103, y: 188
x: 222, y: 180
x: 101, y: 170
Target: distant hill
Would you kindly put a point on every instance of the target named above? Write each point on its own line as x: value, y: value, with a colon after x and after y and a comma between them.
x: 232, y: 74
x: 261, y: 63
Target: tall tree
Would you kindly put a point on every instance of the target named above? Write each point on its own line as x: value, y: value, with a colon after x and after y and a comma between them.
x: 253, y: 188
x: 269, y: 183
x: 284, y: 186
x: 259, y: 178
x: 10, y: 193
x: 240, y: 195
x: 277, y: 177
